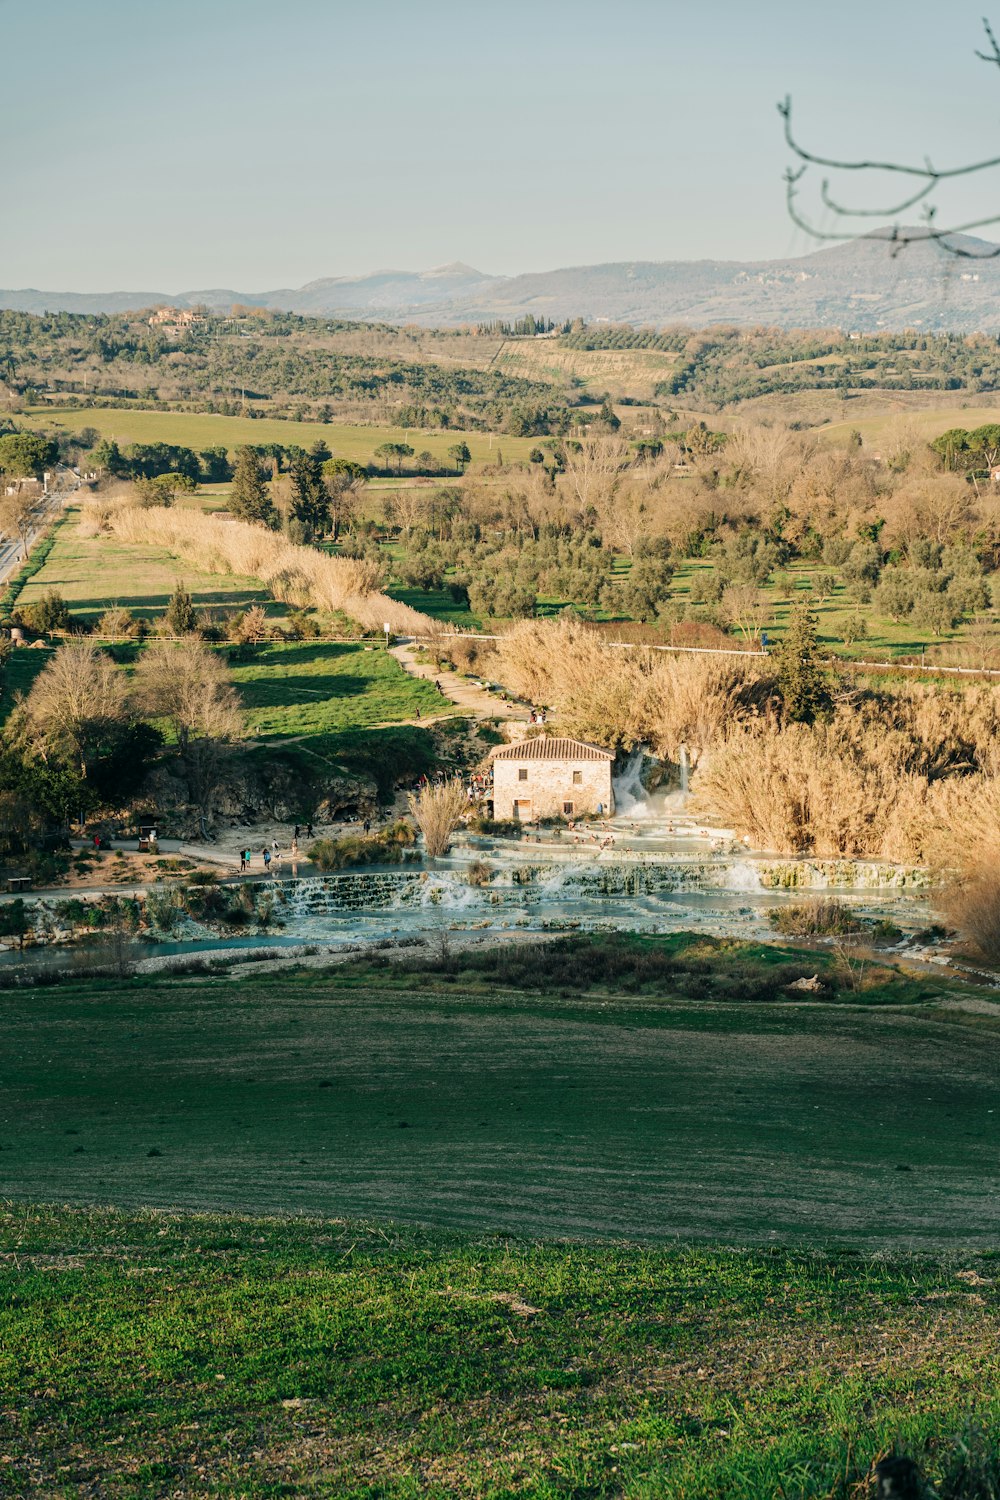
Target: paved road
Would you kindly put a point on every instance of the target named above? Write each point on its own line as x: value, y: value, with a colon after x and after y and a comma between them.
x: 49, y: 506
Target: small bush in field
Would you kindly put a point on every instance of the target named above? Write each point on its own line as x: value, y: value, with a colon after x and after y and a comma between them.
x: 822, y: 918
x: 382, y: 848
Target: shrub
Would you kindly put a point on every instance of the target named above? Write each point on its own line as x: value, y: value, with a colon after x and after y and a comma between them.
x: 119, y: 622
x: 437, y: 810
x: 479, y: 873
x: 383, y: 847
x: 972, y: 903
x: 50, y: 612
x: 821, y: 918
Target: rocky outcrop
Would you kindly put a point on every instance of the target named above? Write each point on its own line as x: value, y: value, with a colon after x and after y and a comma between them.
x: 255, y: 791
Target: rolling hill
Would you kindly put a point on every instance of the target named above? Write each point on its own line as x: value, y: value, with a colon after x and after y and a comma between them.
x: 861, y: 285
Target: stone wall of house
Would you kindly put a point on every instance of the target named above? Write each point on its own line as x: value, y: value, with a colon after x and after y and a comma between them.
x: 549, y: 785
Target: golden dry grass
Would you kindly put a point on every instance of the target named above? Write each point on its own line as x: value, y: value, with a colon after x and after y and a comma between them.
x: 300, y: 576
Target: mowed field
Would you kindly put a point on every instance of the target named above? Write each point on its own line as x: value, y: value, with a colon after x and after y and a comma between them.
x: 929, y: 422
x: 200, y: 430
x: 94, y: 572
x: 453, y: 1101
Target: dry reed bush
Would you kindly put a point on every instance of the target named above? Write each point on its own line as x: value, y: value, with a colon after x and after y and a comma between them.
x: 622, y: 698
x: 972, y: 904
x: 797, y: 789
x: 907, y: 775
x: 437, y: 811
x: 300, y: 576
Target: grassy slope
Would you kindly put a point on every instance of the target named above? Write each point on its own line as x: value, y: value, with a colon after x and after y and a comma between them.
x: 634, y: 372
x: 320, y: 688
x: 150, y: 1355
x: 467, y: 1104
x: 205, y: 430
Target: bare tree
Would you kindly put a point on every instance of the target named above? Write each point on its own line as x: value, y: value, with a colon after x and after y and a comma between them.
x: 186, y: 685
x: 742, y: 607
x: 76, y: 699
x: 17, y: 516
x: 921, y: 179
x: 438, y: 810
x: 594, y: 468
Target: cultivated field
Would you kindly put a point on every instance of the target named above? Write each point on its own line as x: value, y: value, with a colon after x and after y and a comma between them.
x: 632, y: 372
x: 200, y: 430
x: 465, y: 1103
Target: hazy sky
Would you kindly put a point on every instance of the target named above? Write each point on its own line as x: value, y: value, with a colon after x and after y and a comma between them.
x: 175, y: 144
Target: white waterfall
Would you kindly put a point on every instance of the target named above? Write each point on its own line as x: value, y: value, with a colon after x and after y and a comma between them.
x: 630, y: 794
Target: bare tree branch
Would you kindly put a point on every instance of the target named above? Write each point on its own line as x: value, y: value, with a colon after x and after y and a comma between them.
x: 928, y: 178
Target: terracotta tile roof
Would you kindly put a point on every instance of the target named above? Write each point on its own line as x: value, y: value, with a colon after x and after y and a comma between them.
x: 542, y: 748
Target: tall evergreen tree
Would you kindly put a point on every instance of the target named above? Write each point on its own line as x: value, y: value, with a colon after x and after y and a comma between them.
x: 801, y: 680
x: 180, y: 618
x: 249, y: 498
x: 310, y: 501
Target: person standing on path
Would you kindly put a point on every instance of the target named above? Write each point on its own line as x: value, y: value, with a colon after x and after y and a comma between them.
x: 243, y: 860
x: 267, y: 860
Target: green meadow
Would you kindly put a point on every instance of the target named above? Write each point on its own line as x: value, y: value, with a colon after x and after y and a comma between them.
x: 200, y: 430
x: 464, y: 1229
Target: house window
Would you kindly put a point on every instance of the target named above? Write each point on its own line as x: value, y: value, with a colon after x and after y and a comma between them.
x: 577, y: 778
x: 568, y: 809
x: 522, y: 774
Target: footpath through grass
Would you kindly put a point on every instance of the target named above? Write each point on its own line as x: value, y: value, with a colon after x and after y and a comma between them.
x: 148, y: 1355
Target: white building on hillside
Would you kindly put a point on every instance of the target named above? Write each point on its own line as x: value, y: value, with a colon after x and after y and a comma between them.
x: 551, y: 778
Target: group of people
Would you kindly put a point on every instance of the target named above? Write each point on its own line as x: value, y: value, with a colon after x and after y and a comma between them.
x: 479, y: 788
x: 273, y: 854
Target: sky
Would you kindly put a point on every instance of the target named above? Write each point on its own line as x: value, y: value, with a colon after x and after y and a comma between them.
x: 172, y: 145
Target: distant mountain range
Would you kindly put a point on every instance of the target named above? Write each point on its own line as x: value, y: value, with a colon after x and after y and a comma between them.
x: 858, y: 286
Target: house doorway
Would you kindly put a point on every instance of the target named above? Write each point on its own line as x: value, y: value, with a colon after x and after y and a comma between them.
x: 522, y: 811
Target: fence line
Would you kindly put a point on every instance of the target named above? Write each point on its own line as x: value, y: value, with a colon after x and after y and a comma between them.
x: 851, y: 663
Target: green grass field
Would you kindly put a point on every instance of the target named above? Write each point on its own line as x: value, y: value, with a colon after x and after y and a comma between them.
x: 200, y: 430
x: 466, y: 1102
x: 93, y: 572
x: 149, y: 1355
x: 570, y: 1156
x: 306, y: 688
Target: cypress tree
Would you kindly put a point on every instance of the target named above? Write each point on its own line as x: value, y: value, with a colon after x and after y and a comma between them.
x: 180, y: 618
x: 249, y: 499
x: 801, y: 679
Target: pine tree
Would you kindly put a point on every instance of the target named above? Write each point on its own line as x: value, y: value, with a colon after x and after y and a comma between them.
x: 180, y: 618
x: 249, y: 499
x: 801, y: 680
x: 310, y: 501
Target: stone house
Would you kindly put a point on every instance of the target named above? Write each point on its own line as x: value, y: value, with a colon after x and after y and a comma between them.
x: 552, y: 778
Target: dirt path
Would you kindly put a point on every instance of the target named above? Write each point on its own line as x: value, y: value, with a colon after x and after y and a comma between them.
x: 470, y: 696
